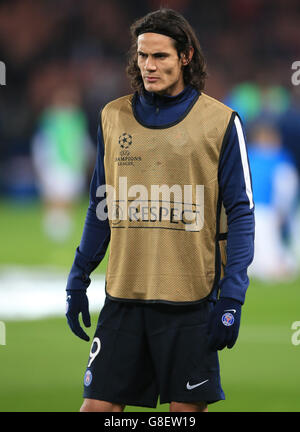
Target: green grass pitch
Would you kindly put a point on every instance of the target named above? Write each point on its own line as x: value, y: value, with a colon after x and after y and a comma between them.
x: 42, y: 364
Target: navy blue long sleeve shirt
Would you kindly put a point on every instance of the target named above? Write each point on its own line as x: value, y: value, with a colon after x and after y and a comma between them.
x: 235, y: 188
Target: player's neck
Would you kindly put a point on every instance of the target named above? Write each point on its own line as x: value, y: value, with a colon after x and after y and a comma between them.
x: 155, y: 98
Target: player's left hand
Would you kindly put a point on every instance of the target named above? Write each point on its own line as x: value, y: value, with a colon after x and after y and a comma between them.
x: 224, y: 324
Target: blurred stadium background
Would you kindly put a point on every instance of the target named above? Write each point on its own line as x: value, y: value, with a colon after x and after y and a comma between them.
x: 64, y: 60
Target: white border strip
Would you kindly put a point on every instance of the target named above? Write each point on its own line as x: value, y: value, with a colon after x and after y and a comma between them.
x: 244, y: 158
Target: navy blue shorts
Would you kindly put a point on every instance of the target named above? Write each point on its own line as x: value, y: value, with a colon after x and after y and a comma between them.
x: 142, y: 351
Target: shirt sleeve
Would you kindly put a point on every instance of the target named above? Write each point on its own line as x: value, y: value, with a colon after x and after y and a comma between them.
x: 96, y: 232
x: 236, y: 192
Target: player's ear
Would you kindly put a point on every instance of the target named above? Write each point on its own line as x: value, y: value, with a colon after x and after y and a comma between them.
x: 186, y: 59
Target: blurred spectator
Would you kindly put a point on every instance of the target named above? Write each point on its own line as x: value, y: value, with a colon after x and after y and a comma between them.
x: 254, y: 99
x: 289, y: 124
x: 275, y: 189
x: 61, y: 148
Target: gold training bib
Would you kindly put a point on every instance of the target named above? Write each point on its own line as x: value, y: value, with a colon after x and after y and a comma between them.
x: 163, y: 203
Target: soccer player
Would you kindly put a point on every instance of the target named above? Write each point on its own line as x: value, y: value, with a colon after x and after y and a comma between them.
x: 177, y: 271
x: 275, y: 188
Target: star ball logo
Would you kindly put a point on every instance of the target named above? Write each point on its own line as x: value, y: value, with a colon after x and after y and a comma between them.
x: 125, y: 141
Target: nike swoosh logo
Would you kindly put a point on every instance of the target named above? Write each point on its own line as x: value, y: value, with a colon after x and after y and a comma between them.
x: 68, y: 297
x: 191, y: 387
x: 230, y: 310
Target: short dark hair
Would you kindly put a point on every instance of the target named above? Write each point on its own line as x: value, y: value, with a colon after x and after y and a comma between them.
x: 172, y: 24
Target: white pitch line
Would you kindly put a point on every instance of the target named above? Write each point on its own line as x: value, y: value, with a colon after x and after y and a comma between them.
x: 40, y: 292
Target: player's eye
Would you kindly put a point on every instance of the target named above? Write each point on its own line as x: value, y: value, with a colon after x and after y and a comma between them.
x: 142, y: 55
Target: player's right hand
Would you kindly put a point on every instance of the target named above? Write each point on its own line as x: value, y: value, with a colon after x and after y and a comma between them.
x: 77, y: 302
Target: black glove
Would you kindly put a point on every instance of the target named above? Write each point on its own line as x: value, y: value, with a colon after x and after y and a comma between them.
x: 77, y: 301
x: 224, y: 324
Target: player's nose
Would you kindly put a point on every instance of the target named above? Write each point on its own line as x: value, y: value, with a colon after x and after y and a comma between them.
x: 150, y: 64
